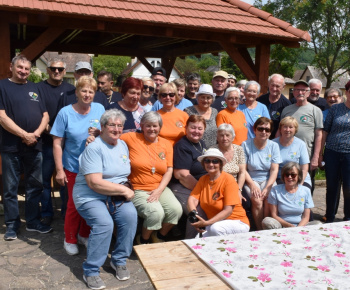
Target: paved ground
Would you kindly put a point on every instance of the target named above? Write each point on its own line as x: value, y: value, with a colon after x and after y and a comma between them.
x: 35, y: 261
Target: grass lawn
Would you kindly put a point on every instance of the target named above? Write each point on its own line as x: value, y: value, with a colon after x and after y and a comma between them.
x: 320, y: 175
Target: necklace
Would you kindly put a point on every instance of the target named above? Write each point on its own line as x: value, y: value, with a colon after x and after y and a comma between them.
x: 287, y: 195
x: 153, y: 161
x: 196, y: 147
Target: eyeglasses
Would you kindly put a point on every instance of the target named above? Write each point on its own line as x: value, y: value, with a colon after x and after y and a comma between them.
x: 214, y: 161
x: 151, y: 89
x: 53, y: 69
x: 301, y: 90
x: 205, y: 98
x: 292, y: 175
x: 233, y: 99
x: 114, y: 125
x: 164, y: 95
x: 262, y: 129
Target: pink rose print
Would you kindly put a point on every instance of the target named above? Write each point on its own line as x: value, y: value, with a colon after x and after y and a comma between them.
x: 323, y: 268
x: 333, y: 235
x: 339, y: 255
x: 253, y: 238
x: 232, y: 250
x: 347, y: 271
x: 286, y: 242
x: 254, y: 257
x: 226, y: 274
x: 286, y: 264
x: 308, y: 248
x: 264, y: 277
x: 346, y: 227
x: 197, y: 247
x: 303, y: 232
x: 211, y: 262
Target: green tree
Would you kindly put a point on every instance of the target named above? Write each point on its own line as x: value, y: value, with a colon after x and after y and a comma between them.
x: 35, y: 75
x: 328, y: 22
x: 113, y: 64
x: 186, y: 66
x: 230, y: 67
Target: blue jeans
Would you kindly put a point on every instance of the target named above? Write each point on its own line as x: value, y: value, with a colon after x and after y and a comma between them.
x: 337, y: 168
x: 12, y: 163
x: 101, y: 221
x: 48, y: 169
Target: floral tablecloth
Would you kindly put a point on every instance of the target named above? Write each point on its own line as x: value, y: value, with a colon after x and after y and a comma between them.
x: 312, y: 257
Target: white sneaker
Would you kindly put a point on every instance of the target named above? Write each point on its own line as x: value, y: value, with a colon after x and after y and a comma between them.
x: 83, y: 241
x: 71, y: 249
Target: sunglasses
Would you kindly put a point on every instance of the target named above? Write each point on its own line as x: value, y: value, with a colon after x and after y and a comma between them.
x: 262, y: 129
x: 214, y: 161
x: 164, y: 95
x: 151, y: 89
x: 292, y: 175
x: 53, y: 69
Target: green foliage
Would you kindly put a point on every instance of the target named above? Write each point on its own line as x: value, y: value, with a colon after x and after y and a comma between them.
x: 186, y: 66
x: 35, y: 77
x: 208, y: 60
x: 230, y: 67
x: 111, y: 63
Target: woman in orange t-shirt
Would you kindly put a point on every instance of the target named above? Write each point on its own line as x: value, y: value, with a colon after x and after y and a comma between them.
x: 151, y: 159
x: 217, y: 194
x: 231, y: 115
x: 174, y: 120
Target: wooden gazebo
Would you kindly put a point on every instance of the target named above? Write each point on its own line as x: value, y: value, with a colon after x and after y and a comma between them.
x: 149, y: 28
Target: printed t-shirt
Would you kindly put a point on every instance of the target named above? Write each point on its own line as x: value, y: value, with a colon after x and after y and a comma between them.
x: 99, y: 157
x: 173, y: 125
x: 24, y: 105
x: 237, y: 121
x: 145, y: 155
x: 186, y: 154
x: 213, y: 196
x: 219, y: 104
x: 73, y: 127
x: 251, y: 115
x: 259, y: 161
x: 290, y: 207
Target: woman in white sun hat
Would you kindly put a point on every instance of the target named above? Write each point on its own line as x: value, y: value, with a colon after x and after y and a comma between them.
x: 217, y: 194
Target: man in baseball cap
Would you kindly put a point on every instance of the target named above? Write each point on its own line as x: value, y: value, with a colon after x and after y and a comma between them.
x: 159, y: 78
x: 219, y: 83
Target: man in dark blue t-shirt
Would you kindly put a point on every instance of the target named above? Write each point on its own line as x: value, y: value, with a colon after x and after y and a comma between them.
x: 105, y: 84
x: 23, y: 118
x: 219, y: 83
x: 51, y: 92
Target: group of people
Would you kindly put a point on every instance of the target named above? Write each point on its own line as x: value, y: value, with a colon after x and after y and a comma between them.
x: 158, y: 150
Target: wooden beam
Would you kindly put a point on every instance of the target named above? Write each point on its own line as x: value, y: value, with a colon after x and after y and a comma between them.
x: 262, y: 61
x: 193, y: 47
x: 39, y: 45
x: 168, y: 64
x: 145, y: 62
x: 241, y: 60
x: 5, y: 50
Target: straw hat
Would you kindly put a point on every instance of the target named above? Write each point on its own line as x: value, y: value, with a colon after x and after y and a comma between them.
x: 205, y: 89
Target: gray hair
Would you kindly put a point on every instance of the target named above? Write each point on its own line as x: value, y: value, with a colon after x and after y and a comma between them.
x: 288, y: 167
x: 330, y: 90
x: 20, y: 57
x: 227, y: 128
x: 315, y: 81
x: 152, y: 117
x: 113, y: 114
x: 252, y: 83
x: 276, y: 75
x: 148, y: 79
x: 193, y: 77
x: 241, y: 83
x: 54, y: 60
x: 232, y: 89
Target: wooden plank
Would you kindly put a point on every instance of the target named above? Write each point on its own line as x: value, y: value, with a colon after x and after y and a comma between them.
x: 5, y: 53
x: 262, y: 60
x: 173, y: 265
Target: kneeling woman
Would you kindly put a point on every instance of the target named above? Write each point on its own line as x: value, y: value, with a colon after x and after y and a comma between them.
x: 217, y: 194
x: 102, y: 198
x: 289, y: 203
x: 151, y: 160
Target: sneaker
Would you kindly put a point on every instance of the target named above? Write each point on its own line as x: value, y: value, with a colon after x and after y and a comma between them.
x: 47, y: 220
x: 83, y: 241
x: 40, y: 228
x: 10, y: 235
x: 122, y: 272
x: 71, y: 249
x: 155, y: 239
x: 94, y: 282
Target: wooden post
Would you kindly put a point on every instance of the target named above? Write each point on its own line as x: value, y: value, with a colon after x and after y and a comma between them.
x: 262, y: 61
x: 168, y: 64
x: 5, y: 49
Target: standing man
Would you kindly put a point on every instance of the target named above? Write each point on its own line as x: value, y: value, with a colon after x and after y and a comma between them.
x: 83, y: 68
x: 315, y: 91
x: 51, y: 92
x: 159, y: 78
x: 309, y: 118
x: 23, y: 118
x: 231, y: 81
x: 193, y: 81
x: 219, y: 83
x: 105, y: 84
x: 275, y: 101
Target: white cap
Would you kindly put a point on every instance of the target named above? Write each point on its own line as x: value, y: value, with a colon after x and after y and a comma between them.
x: 205, y: 89
x: 213, y: 152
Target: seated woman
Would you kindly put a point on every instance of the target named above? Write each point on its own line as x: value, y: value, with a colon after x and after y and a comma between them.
x: 151, y: 160
x: 129, y: 105
x: 102, y: 198
x: 262, y: 157
x: 217, y: 194
x: 292, y: 149
x: 233, y: 153
x: 290, y: 202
